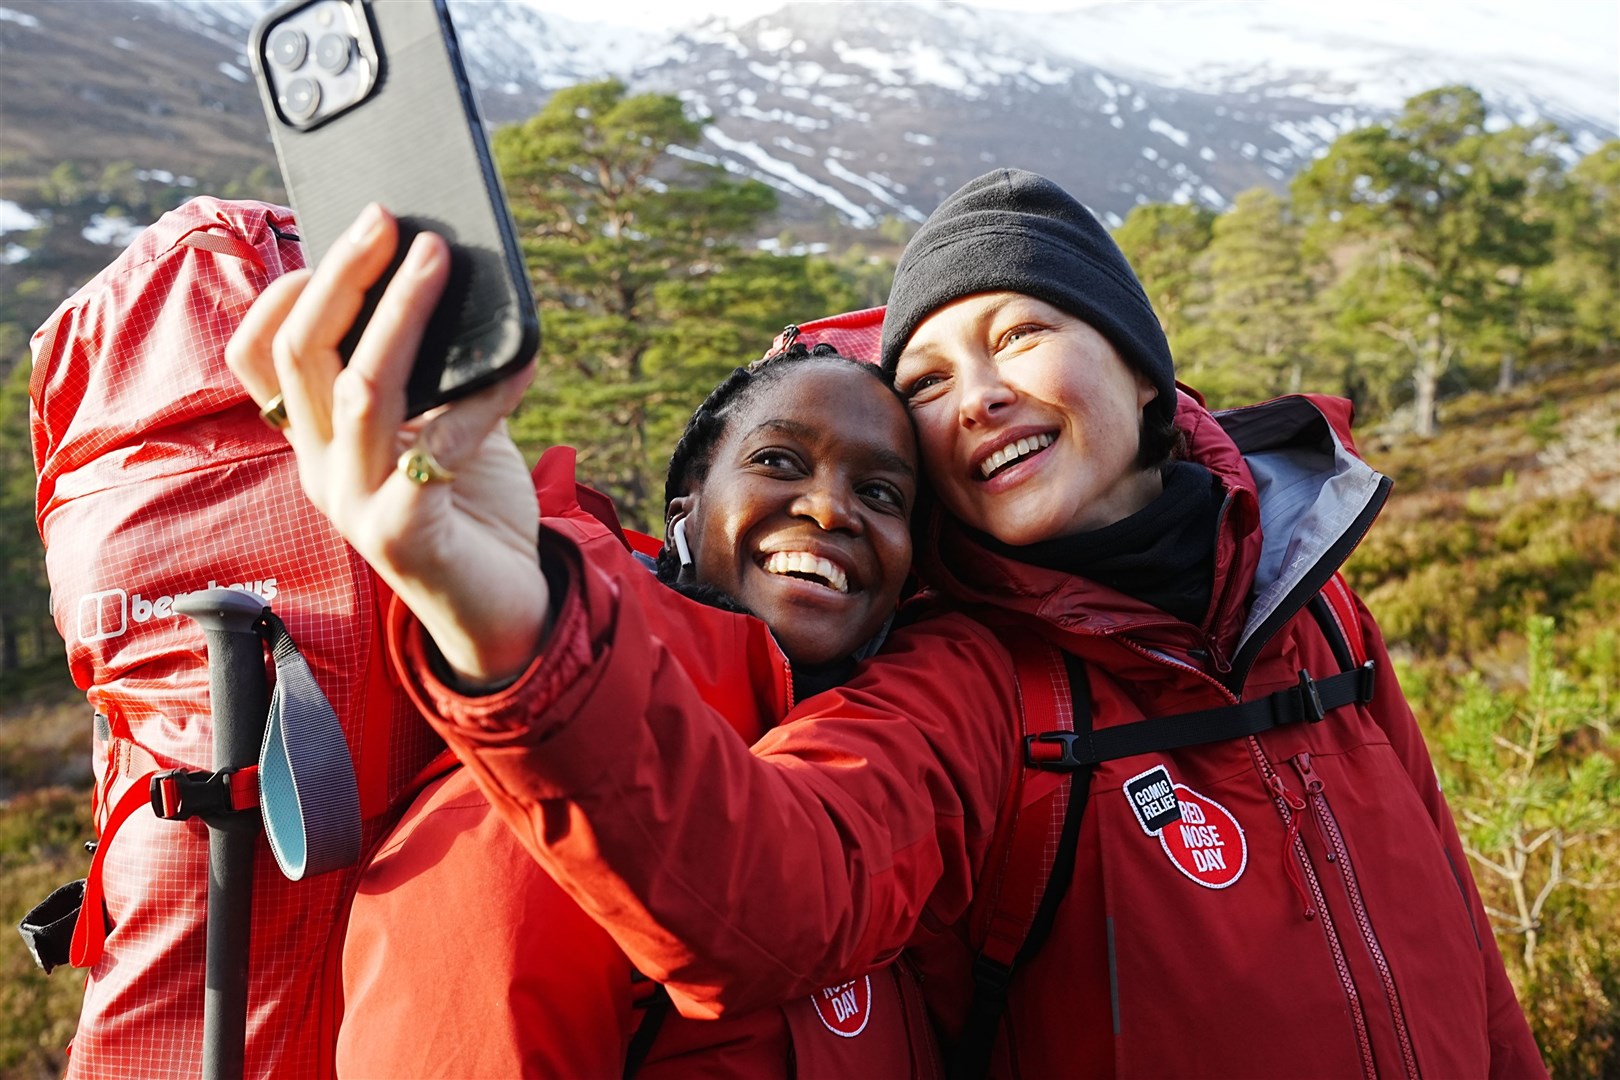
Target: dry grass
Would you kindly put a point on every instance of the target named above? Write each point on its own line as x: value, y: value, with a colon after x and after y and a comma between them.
x: 44, y: 821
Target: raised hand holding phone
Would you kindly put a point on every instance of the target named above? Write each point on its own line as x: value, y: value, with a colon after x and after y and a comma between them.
x: 369, y: 102
x: 461, y: 553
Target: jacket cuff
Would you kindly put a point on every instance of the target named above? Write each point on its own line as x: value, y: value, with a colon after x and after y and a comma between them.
x: 564, y: 655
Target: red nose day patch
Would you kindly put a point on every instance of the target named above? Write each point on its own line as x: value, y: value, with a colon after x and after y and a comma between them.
x: 1201, y: 837
x: 845, y: 1008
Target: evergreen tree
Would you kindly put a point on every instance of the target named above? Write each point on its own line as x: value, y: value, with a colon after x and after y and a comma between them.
x: 1588, y: 246
x: 1250, y: 337
x: 1162, y: 242
x: 25, y: 621
x: 613, y: 225
x: 1435, y: 208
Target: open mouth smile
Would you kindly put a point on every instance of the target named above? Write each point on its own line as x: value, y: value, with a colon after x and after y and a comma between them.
x: 807, y: 567
x: 1013, y: 453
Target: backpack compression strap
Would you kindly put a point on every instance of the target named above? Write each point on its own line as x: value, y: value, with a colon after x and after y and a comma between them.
x: 1032, y: 856
x: 1308, y: 701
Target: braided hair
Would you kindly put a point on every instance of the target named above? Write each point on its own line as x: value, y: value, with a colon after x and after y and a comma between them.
x: 694, y: 452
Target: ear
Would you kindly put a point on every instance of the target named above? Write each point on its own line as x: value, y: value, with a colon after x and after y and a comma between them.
x: 679, y: 507
x: 1145, y: 390
x: 676, y: 514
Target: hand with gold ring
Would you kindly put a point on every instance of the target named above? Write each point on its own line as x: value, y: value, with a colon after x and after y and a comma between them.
x: 442, y: 505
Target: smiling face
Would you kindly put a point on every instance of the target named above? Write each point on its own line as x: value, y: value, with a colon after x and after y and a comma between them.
x: 803, y: 516
x: 1028, y: 419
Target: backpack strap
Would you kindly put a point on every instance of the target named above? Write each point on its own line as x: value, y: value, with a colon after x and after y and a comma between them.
x: 655, y: 1006
x: 211, y: 237
x: 1308, y: 701
x: 1335, y: 611
x: 1031, y: 858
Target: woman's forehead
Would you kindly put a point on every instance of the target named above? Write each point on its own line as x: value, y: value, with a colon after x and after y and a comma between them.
x: 829, y: 401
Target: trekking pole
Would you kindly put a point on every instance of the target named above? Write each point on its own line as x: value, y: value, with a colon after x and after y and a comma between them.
x: 239, y: 696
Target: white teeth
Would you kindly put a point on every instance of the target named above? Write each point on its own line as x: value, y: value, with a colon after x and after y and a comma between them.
x: 827, y: 572
x: 1012, y: 452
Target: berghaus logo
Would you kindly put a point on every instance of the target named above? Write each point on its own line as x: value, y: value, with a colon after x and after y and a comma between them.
x: 111, y: 612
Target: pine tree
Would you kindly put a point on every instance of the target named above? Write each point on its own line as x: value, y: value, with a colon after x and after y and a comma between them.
x: 1435, y: 208
x: 25, y: 619
x: 1162, y: 242
x: 1250, y: 337
x: 617, y: 231
x: 1587, y: 247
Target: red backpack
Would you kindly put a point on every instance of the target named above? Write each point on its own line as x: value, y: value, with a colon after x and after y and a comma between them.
x: 157, y: 478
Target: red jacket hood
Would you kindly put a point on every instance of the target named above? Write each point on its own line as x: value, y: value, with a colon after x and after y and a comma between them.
x: 953, y: 562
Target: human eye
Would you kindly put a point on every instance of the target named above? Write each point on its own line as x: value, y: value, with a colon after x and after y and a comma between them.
x: 920, y: 389
x: 884, y: 493
x: 1014, y: 335
x: 776, y: 460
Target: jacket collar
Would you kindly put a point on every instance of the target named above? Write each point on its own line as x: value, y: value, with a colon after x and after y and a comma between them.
x: 1297, y: 501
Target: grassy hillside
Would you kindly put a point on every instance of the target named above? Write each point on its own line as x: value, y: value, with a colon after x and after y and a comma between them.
x: 1495, y: 572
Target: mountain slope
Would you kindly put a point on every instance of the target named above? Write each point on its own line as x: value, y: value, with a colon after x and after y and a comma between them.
x: 856, y: 112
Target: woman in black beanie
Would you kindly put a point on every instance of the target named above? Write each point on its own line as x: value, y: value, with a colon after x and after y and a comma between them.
x: 1149, y: 687
x: 1080, y: 494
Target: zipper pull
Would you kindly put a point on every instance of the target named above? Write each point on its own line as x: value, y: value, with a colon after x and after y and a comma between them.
x: 1280, y: 790
x: 1313, y: 787
x: 1302, y: 765
x: 1290, y: 863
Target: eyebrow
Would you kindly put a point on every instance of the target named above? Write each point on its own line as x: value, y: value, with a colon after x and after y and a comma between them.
x: 883, y: 455
x: 980, y: 321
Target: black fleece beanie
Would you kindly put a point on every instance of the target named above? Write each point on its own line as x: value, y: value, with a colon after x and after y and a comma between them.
x: 1014, y: 231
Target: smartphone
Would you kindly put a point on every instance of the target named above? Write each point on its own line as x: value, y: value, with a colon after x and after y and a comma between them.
x: 369, y: 102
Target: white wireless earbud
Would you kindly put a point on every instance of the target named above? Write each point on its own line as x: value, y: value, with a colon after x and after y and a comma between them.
x: 677, y: 532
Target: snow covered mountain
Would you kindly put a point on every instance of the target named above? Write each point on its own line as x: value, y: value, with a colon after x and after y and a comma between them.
x: 857, y: 112
x: 860, y: 111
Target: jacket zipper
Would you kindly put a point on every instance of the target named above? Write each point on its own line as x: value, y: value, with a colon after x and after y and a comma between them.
x: 1329, y: 827
x: 1290, y: 806
x: 1170, y: 661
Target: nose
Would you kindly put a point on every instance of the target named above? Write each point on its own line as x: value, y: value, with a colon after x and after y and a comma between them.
x: 832, y: 504
x: 983, y: 393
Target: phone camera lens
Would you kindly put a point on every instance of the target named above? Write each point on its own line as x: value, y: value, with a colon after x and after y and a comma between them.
x: 332, y: 52
x: 288, y: 47
x: 300, y: 98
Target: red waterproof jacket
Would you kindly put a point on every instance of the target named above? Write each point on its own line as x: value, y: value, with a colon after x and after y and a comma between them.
x: 464, y: 959
x: 1317, y: 916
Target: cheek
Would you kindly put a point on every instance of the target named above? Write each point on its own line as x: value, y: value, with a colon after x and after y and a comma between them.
x: 892, y: 545
x: 935, y: 443
x: 714, y: 551
x: 896, y: 547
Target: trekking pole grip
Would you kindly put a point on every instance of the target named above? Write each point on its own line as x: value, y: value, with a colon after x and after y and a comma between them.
x: 239, y: 701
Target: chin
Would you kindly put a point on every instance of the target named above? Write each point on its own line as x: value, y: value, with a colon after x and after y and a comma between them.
x: 1019, y: 530
x: 815, y: 657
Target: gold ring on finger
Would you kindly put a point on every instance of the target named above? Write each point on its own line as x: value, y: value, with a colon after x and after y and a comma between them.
x: 274, y: 413
x: 421, y: 467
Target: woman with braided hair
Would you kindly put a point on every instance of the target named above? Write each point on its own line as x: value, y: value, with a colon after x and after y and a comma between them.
x: 790, y: 491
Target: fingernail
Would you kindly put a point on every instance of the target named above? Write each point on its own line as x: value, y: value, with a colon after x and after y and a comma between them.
x: 423, y: 257
x: 366, y: 225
